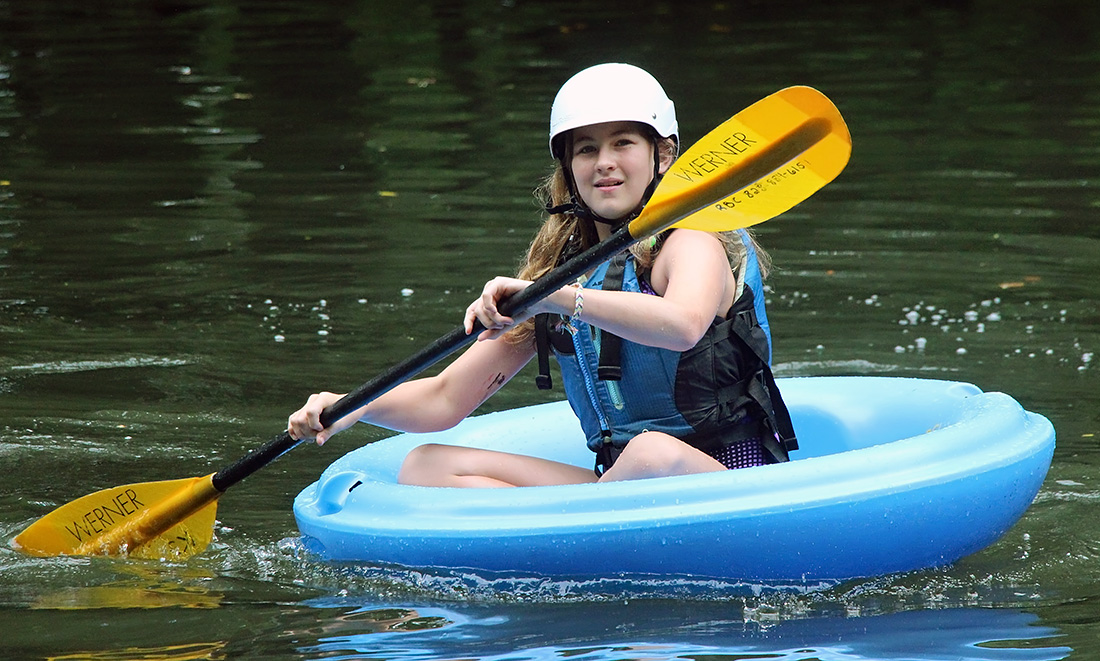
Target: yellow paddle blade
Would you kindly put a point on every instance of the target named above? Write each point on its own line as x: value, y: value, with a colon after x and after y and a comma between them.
x: 774, y: 154
x: 171, y: 519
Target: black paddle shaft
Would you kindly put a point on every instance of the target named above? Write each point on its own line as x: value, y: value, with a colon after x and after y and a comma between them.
x: 428, y: 356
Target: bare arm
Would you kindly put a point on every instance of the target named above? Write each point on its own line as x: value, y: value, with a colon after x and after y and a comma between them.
x: 691, y: 273
x: 429, y: 404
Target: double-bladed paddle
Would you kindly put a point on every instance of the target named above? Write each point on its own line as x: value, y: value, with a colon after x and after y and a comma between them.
x: 754, y: 166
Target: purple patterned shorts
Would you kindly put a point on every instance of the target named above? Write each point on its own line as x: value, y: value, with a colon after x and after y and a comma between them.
x: 743, y: 454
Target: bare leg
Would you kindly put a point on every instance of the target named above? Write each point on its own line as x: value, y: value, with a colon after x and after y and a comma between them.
x: 436, y: 465
x: 656, y: 454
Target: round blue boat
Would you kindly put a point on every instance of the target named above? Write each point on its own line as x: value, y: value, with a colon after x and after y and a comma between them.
x: 892, y: 475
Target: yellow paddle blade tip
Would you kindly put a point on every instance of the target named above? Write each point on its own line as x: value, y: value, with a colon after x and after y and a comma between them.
x: 171, y: 519
x: 754, y: 166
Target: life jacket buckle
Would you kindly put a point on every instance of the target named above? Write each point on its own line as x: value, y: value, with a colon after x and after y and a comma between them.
x: 610, y: 373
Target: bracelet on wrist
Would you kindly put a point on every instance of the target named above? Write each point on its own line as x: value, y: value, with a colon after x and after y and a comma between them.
x: 578, y: 307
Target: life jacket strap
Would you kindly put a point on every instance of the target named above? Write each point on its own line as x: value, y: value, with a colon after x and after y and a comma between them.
x: 542, y: 348
x: 763, y: 389
x: 610, y: 367
x: 606, y: 455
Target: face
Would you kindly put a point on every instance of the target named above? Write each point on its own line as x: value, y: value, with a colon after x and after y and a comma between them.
x: 612, y: 165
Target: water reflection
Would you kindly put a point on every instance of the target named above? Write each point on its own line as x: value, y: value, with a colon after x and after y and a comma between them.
x: 659, y: 631
x: 187, y: 652
x: 135, y: 585
x: 127, y: 594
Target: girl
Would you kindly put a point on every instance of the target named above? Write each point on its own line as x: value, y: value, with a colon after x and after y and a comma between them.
x: 664, y: 352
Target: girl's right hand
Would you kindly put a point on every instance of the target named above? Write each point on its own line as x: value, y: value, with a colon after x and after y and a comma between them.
x: 306, y: 422
x: 484, y: 308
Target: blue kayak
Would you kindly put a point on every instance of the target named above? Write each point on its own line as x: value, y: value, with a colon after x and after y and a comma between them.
x: 892, y: 475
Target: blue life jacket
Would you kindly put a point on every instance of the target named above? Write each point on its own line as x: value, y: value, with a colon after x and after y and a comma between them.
x: 717, y: 393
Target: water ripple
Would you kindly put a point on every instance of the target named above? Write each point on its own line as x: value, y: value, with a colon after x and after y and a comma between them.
x: 67, y: 366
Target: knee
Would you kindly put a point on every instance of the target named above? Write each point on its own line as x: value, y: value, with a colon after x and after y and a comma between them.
x: 654, y: 448
x: 649, y: 454
x: 421, y: 464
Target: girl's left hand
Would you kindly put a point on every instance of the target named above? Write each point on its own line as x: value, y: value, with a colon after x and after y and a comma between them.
x: 485, y: 310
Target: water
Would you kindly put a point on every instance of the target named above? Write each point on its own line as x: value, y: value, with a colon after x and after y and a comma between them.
x: 210, y: 208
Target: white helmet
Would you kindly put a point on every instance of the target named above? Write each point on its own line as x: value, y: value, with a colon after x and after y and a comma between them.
x: 611, y: 93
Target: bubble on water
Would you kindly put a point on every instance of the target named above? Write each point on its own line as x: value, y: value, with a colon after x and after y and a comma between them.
x: 920, y: 343
x: 971, y: 315
x: 280, y: 338
x: 406, y: 292
x: 993, y: 316
x: 961, y: 351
